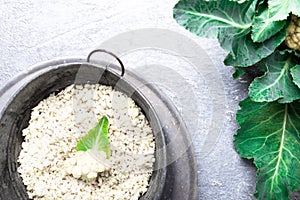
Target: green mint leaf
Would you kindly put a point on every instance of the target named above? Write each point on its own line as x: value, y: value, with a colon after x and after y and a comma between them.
x: 247, y: 53
x: 208, y: 18
x: 295, y: 72
x: 280, y: 9
x: 270, y: 134
x: 277, y: 82
x: 265, y: 27
x: 96, y: 138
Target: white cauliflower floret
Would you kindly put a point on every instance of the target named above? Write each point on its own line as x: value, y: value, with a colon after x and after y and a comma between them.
x: 293, y: 33
x: 87, y: 164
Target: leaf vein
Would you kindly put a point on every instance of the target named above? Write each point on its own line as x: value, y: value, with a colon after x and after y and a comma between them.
x: 215, y: 18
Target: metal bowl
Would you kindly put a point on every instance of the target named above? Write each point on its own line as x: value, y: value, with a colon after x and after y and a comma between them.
x: 54, y: 78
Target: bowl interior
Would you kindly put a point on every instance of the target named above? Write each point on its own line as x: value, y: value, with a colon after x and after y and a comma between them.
x: 17, y: 114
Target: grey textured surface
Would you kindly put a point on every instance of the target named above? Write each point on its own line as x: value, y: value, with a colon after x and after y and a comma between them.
x: 35, y: 31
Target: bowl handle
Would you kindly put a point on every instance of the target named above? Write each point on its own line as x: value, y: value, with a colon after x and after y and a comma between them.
x: 110, y: 53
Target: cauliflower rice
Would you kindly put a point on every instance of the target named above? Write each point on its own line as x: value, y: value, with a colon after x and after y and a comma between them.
x: 58, y: 122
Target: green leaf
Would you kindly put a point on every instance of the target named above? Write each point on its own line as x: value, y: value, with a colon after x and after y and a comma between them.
x: 246, y: 52
x: 231, y: 23
x: 292, y: 51
x: 208, y: 18
x: 280, y: 9
x: 295, y: 72
x: 277, y: 82
x: 238, y: 73
x: 239, y: 1
x: 96, y: 139
x: 265, y: 27
x: 270, y: 134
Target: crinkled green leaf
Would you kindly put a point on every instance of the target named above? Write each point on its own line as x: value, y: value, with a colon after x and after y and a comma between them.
x: 295, y: 72
x: 238, y: 73
x: 280, y: 9
x: 247, y: 53
x: 208, y: 18
x: 277, y: 82
x: 294, y: 52
x: 96, y: 138
x: 265, y: 27
x: 240, y: 1
x: 231, y: 23
x: 270, y: 134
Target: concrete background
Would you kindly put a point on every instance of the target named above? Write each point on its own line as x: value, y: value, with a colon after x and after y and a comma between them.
x: 35, y: 31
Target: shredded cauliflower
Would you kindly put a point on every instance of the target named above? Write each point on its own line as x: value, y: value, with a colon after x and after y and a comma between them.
x: 48, y: 159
